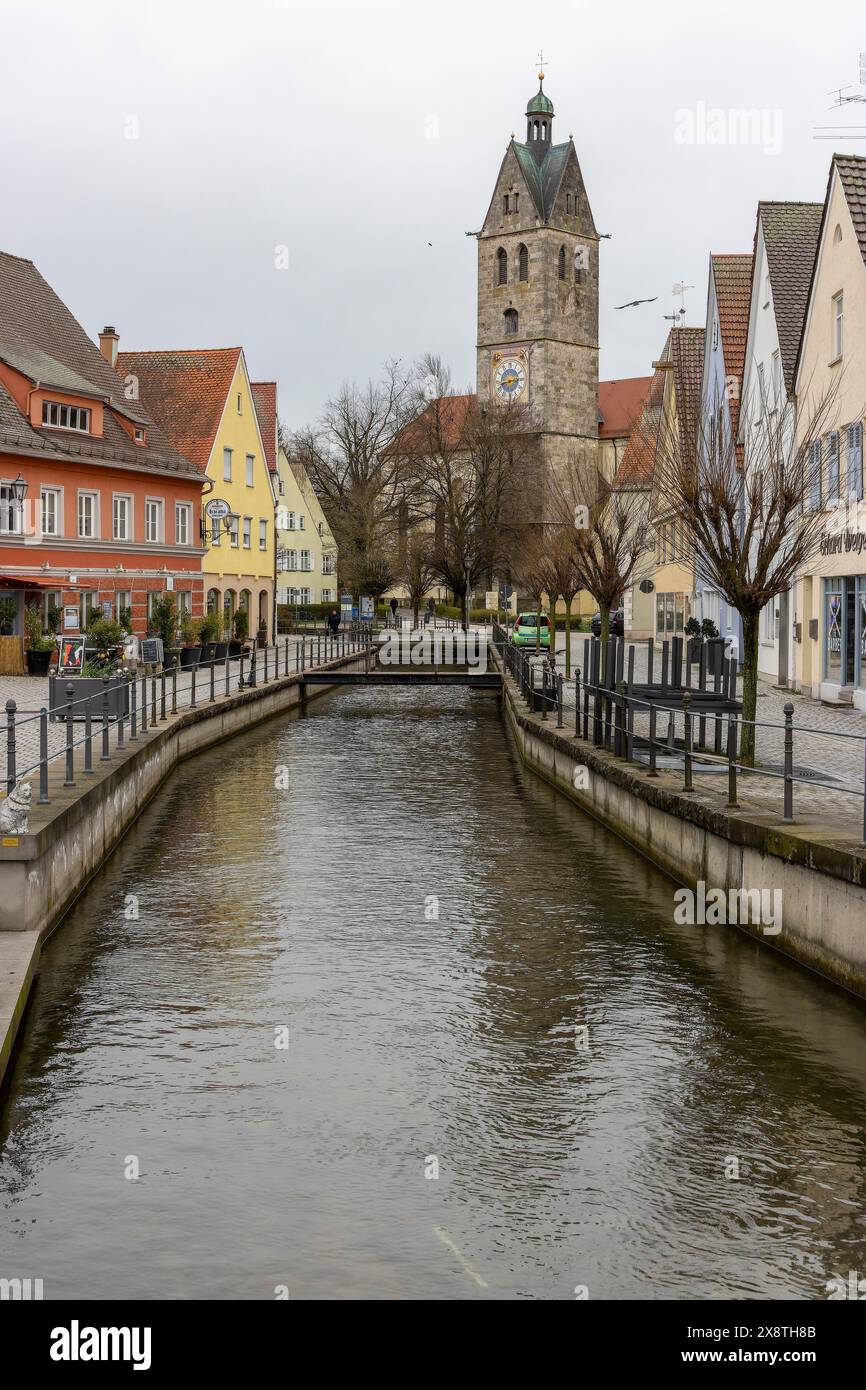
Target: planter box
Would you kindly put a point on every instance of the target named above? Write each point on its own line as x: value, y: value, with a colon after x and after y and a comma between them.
x: 86, y: 687
x: 190, y: 656
x: 38, y: 661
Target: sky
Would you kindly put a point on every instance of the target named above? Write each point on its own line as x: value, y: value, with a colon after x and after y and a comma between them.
x: 299, y: 178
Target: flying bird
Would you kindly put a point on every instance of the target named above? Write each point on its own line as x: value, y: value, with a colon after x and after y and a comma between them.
x: 634, y: 302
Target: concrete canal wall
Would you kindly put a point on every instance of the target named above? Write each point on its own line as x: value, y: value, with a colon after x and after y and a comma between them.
x: 43, y: 873
x: 822, y: 881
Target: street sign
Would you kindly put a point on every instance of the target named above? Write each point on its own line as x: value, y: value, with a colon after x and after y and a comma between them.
x: 366, y: 609
x: 217, y: 509
x: 346, y: 607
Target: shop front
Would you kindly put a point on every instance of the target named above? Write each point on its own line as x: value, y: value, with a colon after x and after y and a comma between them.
x: 830, y: 621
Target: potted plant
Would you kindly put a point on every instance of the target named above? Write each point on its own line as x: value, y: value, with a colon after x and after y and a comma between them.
x: 39, y: 646
x: 693, y: 633
x: 8, y: 614
x: 191, y: 652
x: 103, y: 657
x: 163, y: 624
x: 55, y: 617
x: 241, y: 628
x: 210, y: 630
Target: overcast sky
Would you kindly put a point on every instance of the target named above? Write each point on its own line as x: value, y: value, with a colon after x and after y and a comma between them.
x: 354, y: 134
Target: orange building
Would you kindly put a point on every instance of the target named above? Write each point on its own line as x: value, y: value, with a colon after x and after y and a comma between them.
x: 98, y: 510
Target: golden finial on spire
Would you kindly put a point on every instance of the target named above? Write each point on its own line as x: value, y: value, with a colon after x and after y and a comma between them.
x: 541, y: 66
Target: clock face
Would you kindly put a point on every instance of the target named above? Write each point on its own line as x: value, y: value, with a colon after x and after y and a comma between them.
x: 509, y: 378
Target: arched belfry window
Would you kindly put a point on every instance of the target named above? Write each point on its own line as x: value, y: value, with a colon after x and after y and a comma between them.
x: 544, y: 130
x: 562, y: 262
x: 535, y: 129
x: 579, y: 265
x: 523, y: 263
x: 511, y: 323
x: 502, y: 266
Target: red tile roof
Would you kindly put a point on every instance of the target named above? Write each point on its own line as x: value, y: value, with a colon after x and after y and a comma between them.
x: 852, y: 172
x: 265, y: 400
x: 733, y: 281
x: 451, y: 422
x: 687, y: 355
x: 638, y: 462
x: 186, y: 392
x: 620, y: 404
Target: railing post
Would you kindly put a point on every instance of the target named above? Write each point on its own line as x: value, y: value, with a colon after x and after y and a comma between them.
x: 864, y: 791
x: 789, y: 762
x: 192, y: 670
x: 162, y: 713
x: 106, y: 722
x: 153, y: 699
x: 687, y: 741
x: 653, y: 770
x: 577, y: 702
x: 43, y: 756
x: 70, y: 751
x: 252, y: 680
x: 10, y: 745
x: 228, y: 672
x: 559, y: 699
x: 88, y: 734
x: 265, y: 660
x: 143, y: 710
x: 120, y: 694
x: 241, y: 671
x: 286, y: 658
x: 732, y: 763
x: 174, y: 686
x: 133, y: 710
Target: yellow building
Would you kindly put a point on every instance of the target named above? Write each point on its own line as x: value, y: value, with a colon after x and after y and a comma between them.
x: 204, y: 401
x: 306, y: 549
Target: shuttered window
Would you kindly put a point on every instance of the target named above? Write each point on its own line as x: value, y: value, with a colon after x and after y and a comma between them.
x: 854, y: 461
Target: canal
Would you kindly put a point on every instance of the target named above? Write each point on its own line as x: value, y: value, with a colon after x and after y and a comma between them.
x: 372, y: 1013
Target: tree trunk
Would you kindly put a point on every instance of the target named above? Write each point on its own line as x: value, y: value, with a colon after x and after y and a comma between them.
x: 750, y: 687
x: 551, y: 650
x: 604, y: 613
x: 568, y: 639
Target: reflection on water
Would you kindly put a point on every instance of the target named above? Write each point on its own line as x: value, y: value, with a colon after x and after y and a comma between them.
x: 291, y: 881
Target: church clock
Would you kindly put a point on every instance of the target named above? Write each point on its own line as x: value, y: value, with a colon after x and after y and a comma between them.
x: 510, y: 376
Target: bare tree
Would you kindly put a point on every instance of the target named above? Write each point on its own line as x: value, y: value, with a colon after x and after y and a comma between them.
x: 354, y: 460
x: 418, y: 571
x: 751, y: 530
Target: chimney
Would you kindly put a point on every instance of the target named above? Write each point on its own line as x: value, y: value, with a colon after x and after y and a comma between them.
x: 108, y: 341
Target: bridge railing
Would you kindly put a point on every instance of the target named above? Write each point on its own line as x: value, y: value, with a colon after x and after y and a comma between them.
x: 75, y: 731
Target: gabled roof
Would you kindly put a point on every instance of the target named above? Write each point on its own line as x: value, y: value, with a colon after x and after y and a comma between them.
x: 732, y: 276
x: 543, y: 179
x: 791, y: 242
x: 620, y: 404
x: 687, y: 357
x: 186, y: 392
x: 638, y: 462
x: 451, y: 421
x: 43, y: 341
x: 852, y: 173
x: 265, y: 401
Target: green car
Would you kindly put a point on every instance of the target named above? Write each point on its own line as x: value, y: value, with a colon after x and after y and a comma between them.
x: 526, y: 631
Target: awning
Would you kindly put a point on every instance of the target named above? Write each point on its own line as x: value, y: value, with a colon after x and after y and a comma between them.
x: 11, y: 581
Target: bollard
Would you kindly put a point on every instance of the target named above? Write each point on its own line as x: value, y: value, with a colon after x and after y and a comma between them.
x: 653, y: 770
x: 70, y: 752
x: 559, y: 700
x: 43, y: 756
x: 133, y: 710
x: 143, y: 710
x: 10, y: 745
x: 789, y: 763
x: 732, y: 764
x: 687, y: 741
x: 106, y: 717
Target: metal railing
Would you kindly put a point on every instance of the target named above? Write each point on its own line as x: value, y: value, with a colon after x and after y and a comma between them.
x: 129, y: 704
x: 605, y: 716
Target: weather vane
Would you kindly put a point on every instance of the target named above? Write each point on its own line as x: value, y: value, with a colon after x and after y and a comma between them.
x: 541, y: 66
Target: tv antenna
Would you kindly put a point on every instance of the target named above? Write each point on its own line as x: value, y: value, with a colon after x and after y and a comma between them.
x: 679, y: 314
x: 839, y: 92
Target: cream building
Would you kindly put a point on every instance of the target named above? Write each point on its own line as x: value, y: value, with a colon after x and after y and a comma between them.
x: 830, y: 599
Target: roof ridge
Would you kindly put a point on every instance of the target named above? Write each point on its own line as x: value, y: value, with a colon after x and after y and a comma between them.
x: 166, y: 352
x: 26, y: 260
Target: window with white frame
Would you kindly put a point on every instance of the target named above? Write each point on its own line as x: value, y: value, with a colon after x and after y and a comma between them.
x: 815, y: 480
x: 233, y: 533
x: 183, y: 598
x: 88, y: 515
x: 152, y: 597
x: 66, y: 417
x: 51, y: 599
x: 248, y: 532
x: 122, y: 600
x: 182, y: 523
x: 833, y: 471
x: 153, y: 531
x: 88, y: 603
x: 291, y: 521
x: 291, y: 559
x: 251, y: 463
x: 838, y: 316
x: 777, y: 379
x: 768, y: 621
x: 306, y: 560
x: 304, y: 596
x: 263, y: 535
x: 52, y: 511
x: 329, y: 565
x: 300, y: 521
x: 11, y: 515
x: 121, y: 518
x: 227, y: 465
x: 240, y: 404
x: 854, y: 461
x: 327, y: 596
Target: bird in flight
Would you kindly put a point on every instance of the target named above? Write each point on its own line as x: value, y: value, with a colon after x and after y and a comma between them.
x: 634, y: 302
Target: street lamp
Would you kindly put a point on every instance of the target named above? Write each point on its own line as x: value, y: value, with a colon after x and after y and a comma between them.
x: 19, y: 491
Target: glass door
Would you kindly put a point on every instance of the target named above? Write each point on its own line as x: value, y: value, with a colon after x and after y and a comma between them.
x: 834, y: 624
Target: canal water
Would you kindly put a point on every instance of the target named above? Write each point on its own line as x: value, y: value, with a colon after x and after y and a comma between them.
x: 372, y: 1013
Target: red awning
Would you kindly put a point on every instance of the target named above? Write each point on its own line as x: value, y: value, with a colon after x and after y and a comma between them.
x: 11, y: 581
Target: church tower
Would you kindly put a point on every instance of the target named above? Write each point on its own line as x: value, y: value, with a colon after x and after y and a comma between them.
x: 538, y: 298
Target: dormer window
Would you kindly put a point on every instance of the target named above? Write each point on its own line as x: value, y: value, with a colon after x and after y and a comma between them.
x: 139, y: 435
x: 66, y: 417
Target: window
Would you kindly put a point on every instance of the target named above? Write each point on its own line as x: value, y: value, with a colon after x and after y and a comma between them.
x: 184, y: 603
x: 50, y: 600
x: 854, y: 461
x: 233, y: 534
x: 11, y: 515
x: 502, y: 266
x: 579, y: 265
x: 837, y: 235
x: 263, y: 535
x: 66, y: 417
x: 153, y: 520
x: 562, y: 262
x: 291, y: 559
x: 815, y: 476
x: 716, y: 334
x: 121, y: 518
x: 182, y: 523
x: 838, y: 307
x: 833, y: 481
x: 52, y: 505
x: 88, y: 507
x: 306, y: 560
x: 122, y: 600
x: 304, y: 596
x: 568, y: 202
x: 215, y: 532
x: 327, y: 596
x: 505, y: 205
x: 251, y: 459
x: 515, y: 201
x: 240, y: 404
x: 523, y: 263
x: 152, y: 597
x: 227, y: 465
x: 510, y: 322
x: 291, y: 521
x: 248, y: 532
x: 138, y: 435
x: 329, y: 565
x: 777, y: 379
x: 300, y: 521
x: 768, y: 621
x: 87, y: 606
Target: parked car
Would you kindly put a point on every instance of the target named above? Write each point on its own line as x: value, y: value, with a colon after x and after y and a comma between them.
x: 617, y: 623
x: 531, y: 630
